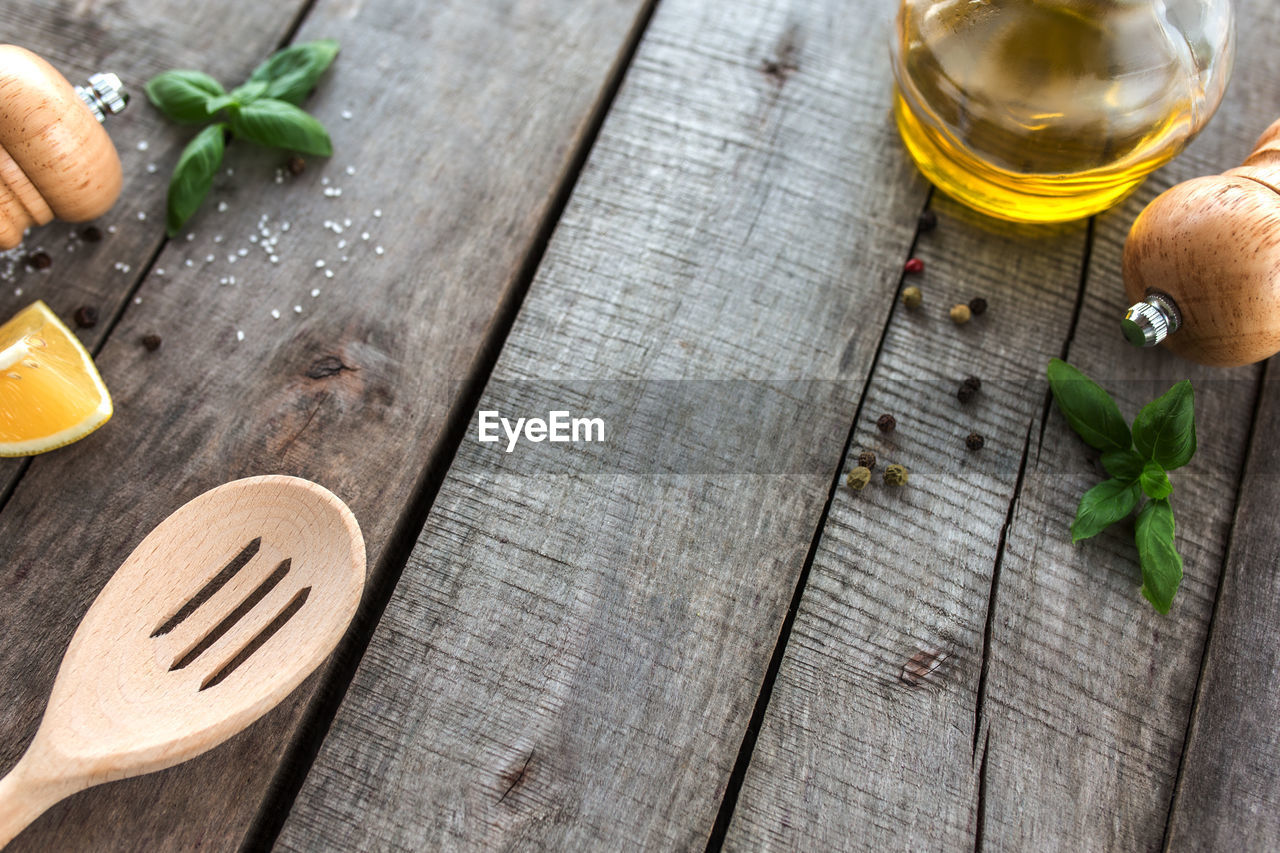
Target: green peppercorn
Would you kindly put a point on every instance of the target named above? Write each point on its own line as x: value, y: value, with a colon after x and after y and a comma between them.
x: 858, y: 478
x: 894, y: 475
x: 912, y: 297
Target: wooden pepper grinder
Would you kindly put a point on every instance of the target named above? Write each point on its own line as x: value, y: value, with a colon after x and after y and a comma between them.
x: 1202, y: 264
x: 55, y: 158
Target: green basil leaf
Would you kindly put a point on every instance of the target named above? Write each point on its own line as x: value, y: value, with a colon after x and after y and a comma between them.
x: 183, y: 95
x: 1155, y: 482
x: 278, y: 124
x: 1157, y: 554
x: 218, y: 103
x: 1165, y: 429
x: 1088, y: 409
x: 290, y: 74
x: 1103, y: 505
x: 193, y: 176
x: 247, y: 93
x: 1123, y: 464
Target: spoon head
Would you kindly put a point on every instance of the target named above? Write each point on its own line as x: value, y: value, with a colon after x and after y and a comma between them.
x: 218, y: 614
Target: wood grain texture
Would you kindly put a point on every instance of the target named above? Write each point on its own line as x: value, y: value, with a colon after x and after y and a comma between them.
x: 1072, y: 740
x: 869, y: 741
x: 1228, y: 796
x: 1089, y: 690
x: 136, y: 39
x: 576, y: 645
x: 458, y: 161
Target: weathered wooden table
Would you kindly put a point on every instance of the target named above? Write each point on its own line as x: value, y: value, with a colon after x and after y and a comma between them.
x: 690, y: 218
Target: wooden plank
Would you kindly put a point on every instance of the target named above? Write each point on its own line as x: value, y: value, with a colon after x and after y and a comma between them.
x: 463, y: 156
x: 883, y: 731
x: 576, y: 645
x: 1228, y: 795
x: 870, y: 729
x: 136, y: 39
x: 1089, y: 690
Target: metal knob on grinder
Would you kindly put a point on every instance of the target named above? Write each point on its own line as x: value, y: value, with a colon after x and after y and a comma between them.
x: 1202, y: 264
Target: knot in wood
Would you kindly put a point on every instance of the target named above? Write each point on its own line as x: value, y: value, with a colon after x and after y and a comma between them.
x: 326, y: 366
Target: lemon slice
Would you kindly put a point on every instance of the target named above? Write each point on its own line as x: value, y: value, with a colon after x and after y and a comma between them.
x: 50, y: 390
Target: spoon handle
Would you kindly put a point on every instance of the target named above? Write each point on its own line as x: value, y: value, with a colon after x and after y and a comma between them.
x: 23, y: 799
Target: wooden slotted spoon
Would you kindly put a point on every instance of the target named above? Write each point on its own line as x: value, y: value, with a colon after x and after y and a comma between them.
x: 218, y: 614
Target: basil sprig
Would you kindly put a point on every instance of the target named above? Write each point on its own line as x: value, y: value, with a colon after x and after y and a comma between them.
x: 1163, y: 438
x: 263, y: 110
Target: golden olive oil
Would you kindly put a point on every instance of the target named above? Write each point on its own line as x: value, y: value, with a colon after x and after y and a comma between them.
x: 1044, y: 110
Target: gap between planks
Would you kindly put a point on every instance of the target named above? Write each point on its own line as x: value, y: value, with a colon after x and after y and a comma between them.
x: 301, y: 754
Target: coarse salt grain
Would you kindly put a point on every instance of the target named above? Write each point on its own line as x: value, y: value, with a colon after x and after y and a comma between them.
x: 208, y: 259
x: 377, y: 250
x: 364, y: 235
x: 377, y: 213
x: 275, y: 259
x: 151, y: 168
x: 189, y: 262
x: 275, y: 314
x: 351, y: 170
x: 297, y: 309
x: 137, y: 300
x: 328, y: 273
x: 111, y: 229
x: 239, y: 335
x: 142, y: 216
x: 319, y: 264
x: 190, y: 237
x: 342, y: 244
x: 159, y: 270
x: 217, y: 238
x: 144, y: 145
x: 242, y: 251
x: 315, y: 291
x: 17, y: 291
x: 346, y: 114
x: 222, y: 207
x: 324, y: 182
x: 346, y: 223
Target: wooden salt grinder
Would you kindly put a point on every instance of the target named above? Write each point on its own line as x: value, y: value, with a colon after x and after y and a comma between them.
x: 55, y: 158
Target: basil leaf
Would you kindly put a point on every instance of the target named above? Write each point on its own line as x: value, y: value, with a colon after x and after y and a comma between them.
x: 1103, y: 505
x: 290, y: 74
x: 1122, y: 464
x: 277, y: 124
x: 183, y: 95
x: 1088, y: 409
x: 193, y: 176
x: 247, y: 93
x: 1157, y: 554
x: 1165, y: 429
x: 220, y: 102
x: 1155, y: 482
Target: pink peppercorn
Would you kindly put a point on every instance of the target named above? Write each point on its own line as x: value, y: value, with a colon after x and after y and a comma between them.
x: 914, y: 265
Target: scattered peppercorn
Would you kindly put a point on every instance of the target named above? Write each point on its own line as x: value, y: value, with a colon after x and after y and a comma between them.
x: 858, y: 478
x: 973, y: 382
x: 914, y: 265
x: 92, y: 234
x: 912, y: 297
x: 977, y: 305
x: 86, y: 316
x: 895, y: 475
x: 867, y: 459
x: 960, y: 314
x: 927, y: 222
x: 886, y: 423
x: 966, y: 392
x: 296, y: 165
x: 151, y: 342
x: 974, y: 441
x: 39, y: 260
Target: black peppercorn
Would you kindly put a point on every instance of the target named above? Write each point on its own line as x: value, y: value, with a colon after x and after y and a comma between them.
x: 974, y: 441
x: 86, y: 316
x: 91, y: 234
x: 966, y: 392
x: 151, y: 342
x: 886, y: 423
x: 296, y: 165
x: 39, y: 260
x: 977, y: 305
x: 973, y: 382
x: 927, y: 222
x: 867, y: 459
